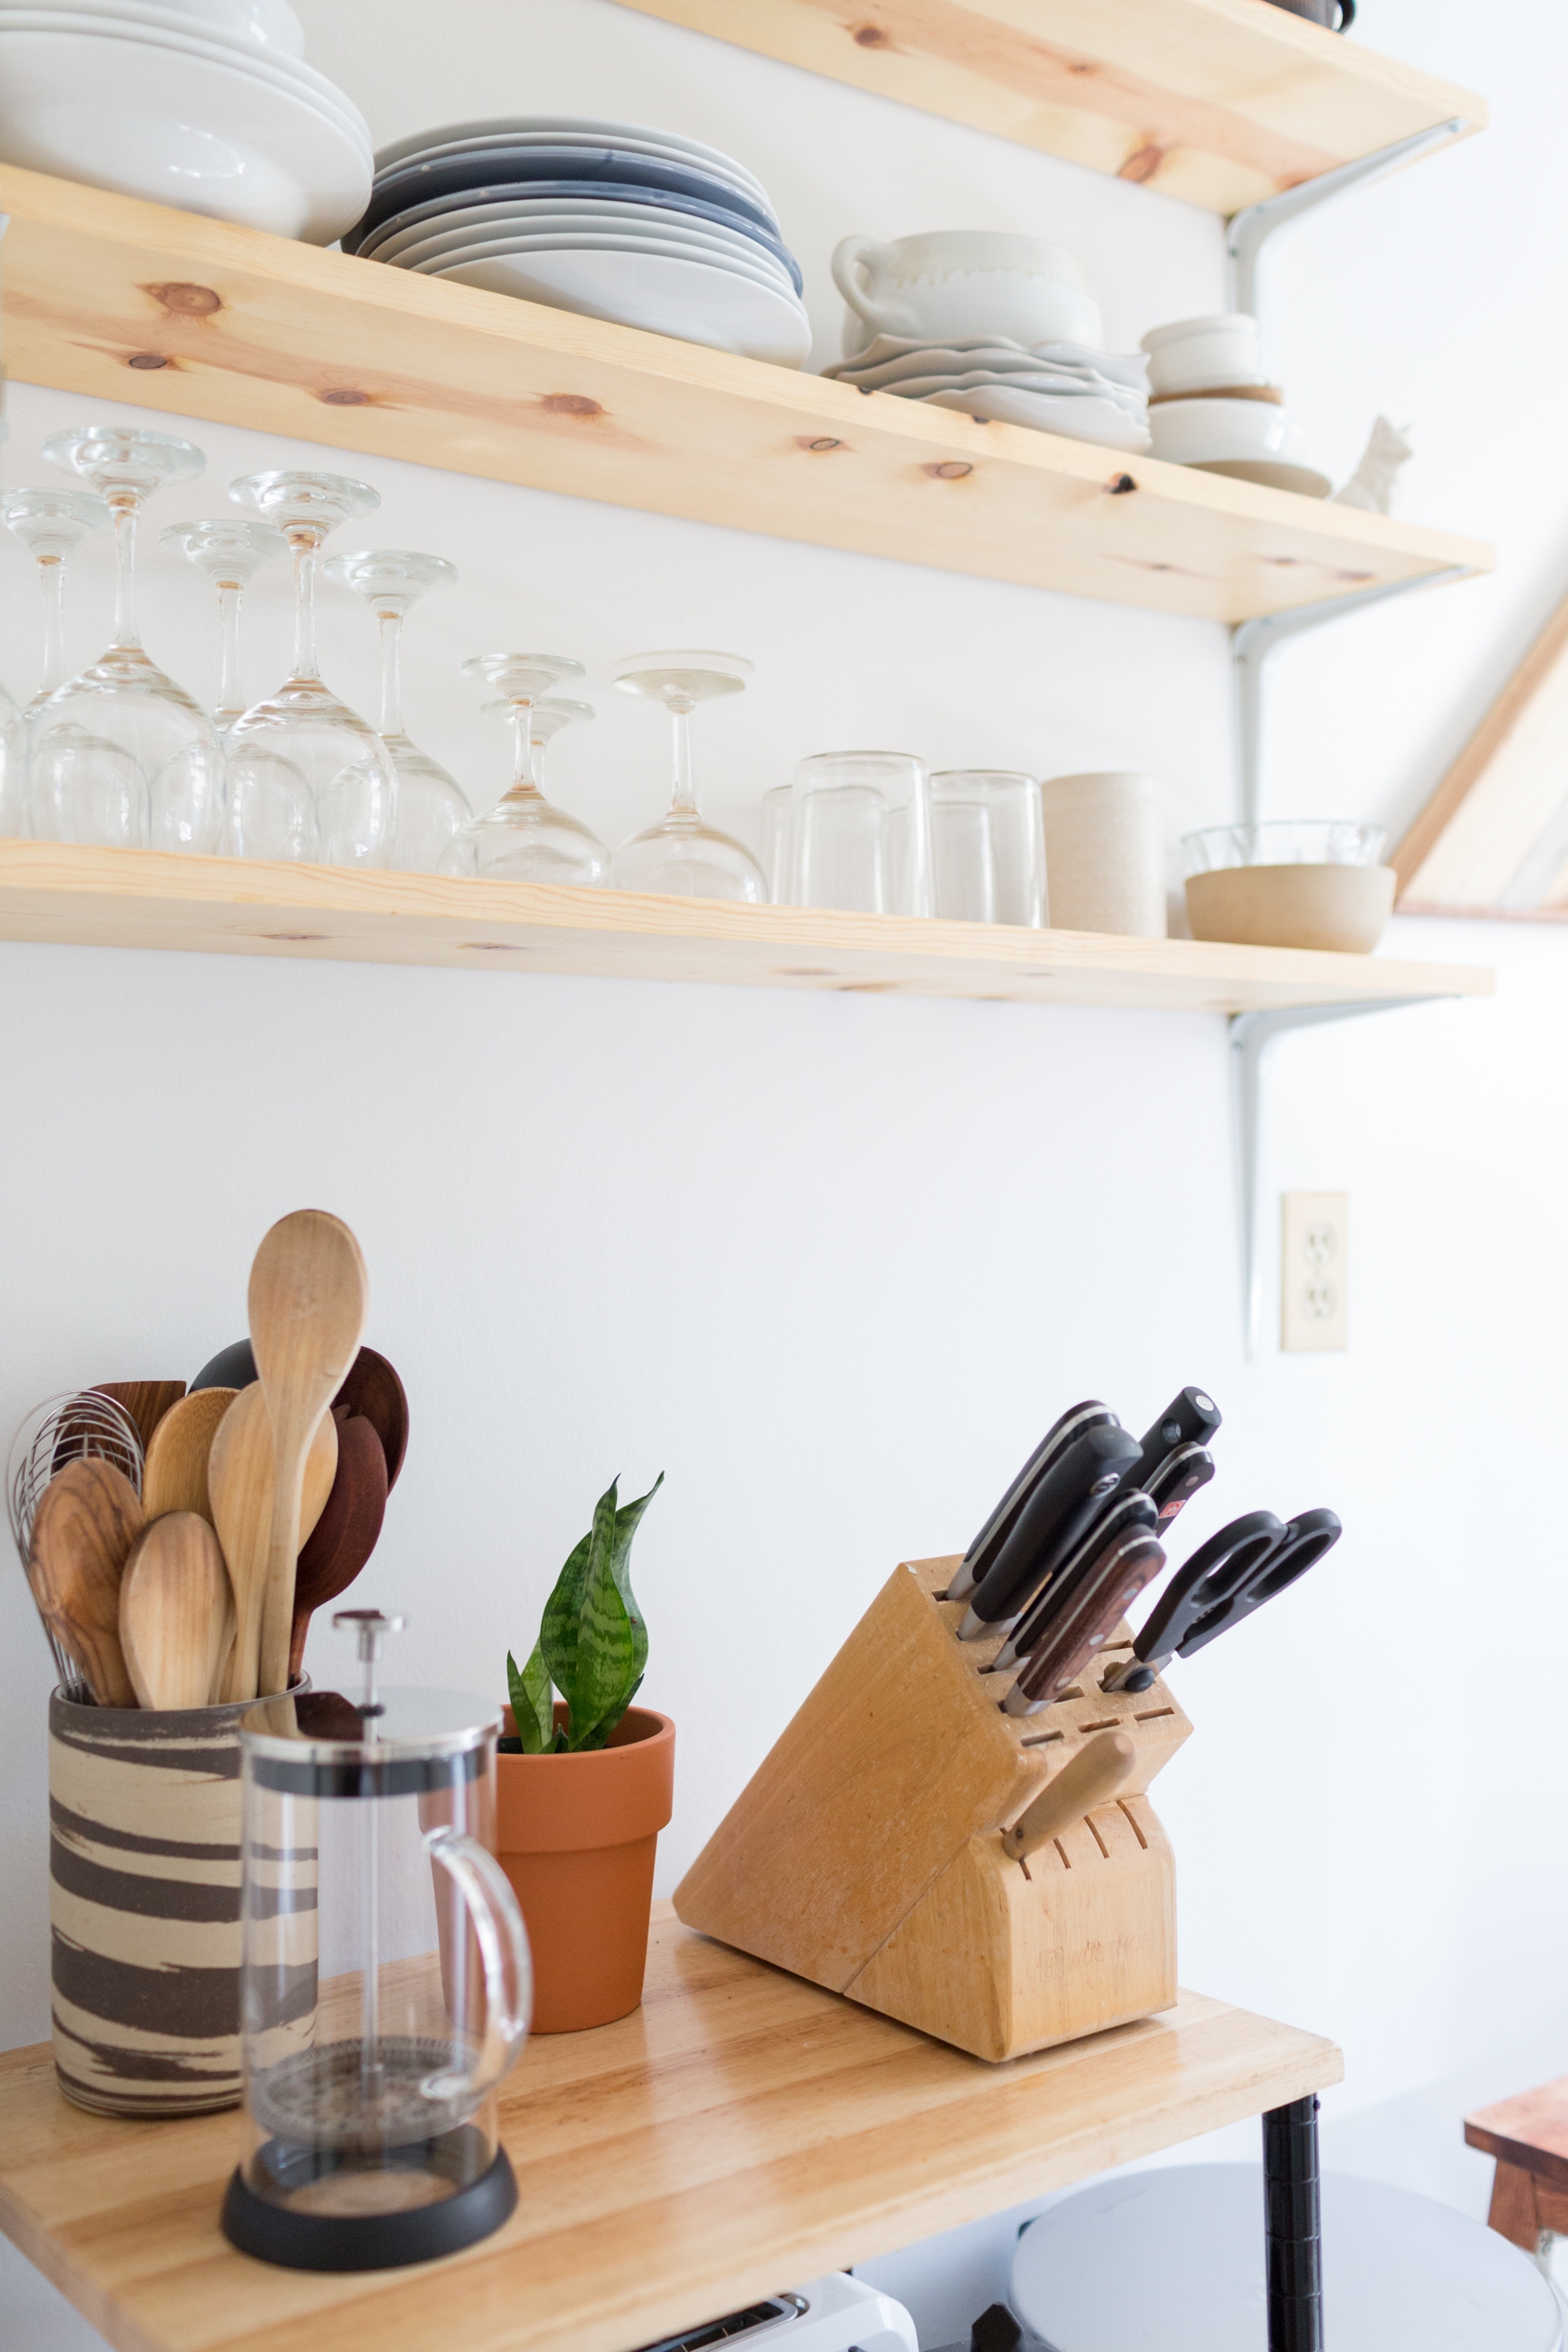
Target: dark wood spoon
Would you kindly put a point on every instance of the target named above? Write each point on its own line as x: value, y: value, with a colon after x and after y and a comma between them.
x: 345, y: 1535
x: 373, y: 1388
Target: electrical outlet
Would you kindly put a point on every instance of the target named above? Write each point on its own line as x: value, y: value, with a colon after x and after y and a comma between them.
x: 1315, y: 1260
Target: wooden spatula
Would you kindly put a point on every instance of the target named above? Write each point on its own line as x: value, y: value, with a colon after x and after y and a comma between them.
x: 176, y: 1612
x: 88, y: 1519
x: 306, y: 1304
x: 240, y: 1481
x: 175, y: 1475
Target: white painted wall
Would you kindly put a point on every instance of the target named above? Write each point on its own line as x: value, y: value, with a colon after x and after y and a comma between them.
x: 832, y: 1262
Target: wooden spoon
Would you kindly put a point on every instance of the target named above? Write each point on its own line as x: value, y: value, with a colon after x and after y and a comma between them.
x: 88, y: 1519
x: 240, y: 1480
x: 345, y: 1534
x: 176, y: 1612
x: 306, y: 1304
x: 373, y: 1388
x: 174, y: 1477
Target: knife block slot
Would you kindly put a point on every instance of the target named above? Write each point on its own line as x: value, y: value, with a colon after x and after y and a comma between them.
x: 866, y: 1850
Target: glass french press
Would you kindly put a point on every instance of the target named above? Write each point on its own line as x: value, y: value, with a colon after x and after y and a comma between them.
x: 385, y: 1987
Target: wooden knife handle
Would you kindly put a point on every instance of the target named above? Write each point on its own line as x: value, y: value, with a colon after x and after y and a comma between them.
x: 1095, y: 1774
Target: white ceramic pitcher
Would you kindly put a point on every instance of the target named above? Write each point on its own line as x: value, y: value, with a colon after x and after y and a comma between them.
x: 968, y: 283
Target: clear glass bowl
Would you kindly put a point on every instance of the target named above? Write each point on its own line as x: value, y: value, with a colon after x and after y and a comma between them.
x: 1298, y: 841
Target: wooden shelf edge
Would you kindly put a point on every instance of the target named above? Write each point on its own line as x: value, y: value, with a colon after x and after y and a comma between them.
x: 61, y: 896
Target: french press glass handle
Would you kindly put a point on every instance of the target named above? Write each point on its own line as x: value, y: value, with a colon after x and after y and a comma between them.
x: 502, y: 1939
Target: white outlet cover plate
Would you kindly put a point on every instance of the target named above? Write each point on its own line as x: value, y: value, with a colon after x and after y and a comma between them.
x: 1314, y: 1271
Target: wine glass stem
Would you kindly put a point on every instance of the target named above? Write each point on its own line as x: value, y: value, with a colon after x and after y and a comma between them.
x: 683, y: 793
x: 52, y: 581
x: 306, y: 544
x: 522, y: 759
x: 125, y: 506
x: 230, y: 699
x: 390, y: 625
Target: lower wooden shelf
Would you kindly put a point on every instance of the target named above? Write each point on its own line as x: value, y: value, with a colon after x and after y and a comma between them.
x: 142, y: 898
x: 741, y: 2132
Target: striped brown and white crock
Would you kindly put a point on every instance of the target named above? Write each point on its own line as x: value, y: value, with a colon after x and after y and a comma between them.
x: 144, y: 1906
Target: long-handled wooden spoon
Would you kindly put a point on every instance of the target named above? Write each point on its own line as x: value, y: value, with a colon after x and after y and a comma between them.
x: 307, y: 1304
x: 240, y: 1480
x: 176, y: 1612
x: 345, y: 1534
x: 175, y: 1477
x: 88, y: 1519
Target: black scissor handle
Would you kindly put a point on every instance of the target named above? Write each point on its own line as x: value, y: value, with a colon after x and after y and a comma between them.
x: 1206, y: 1586
x: 1306, y: 1539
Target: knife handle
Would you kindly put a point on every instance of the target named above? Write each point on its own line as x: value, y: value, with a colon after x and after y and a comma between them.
x: 1121, y: 1515
x: 1190, y: 1419
x: 1100, y: 1767
x: 1108, y: 1589
x: 977, y: 1559
x: 1057, y: 1516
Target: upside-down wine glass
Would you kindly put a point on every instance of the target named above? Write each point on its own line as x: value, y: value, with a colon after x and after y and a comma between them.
x: 682, y: 856
x: 51, y: 523
x: 121, y: 757
x: 431, y: 806
x: 231, y: 553
x: 525, y: 838
x: 13, y: 769
x: 309, y: 778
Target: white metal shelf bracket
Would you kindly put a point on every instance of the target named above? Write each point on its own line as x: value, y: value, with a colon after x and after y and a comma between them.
x: 1253, y: 1037
x: 1247, y: 232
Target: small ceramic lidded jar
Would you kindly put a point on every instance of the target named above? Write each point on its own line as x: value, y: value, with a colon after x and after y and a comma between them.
x: 386, y: 1983
x: 1105, y: 854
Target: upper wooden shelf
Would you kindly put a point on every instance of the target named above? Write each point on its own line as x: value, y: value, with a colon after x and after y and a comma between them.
x: 142, y: 898
x: 740, y: 2133
x: 114, y: 299
x: 1219, y: 102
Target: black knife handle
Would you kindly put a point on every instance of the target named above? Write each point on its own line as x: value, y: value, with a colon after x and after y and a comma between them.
x: 1056, y: 1513
x: 1190, y: 1419
x: 1105, y: 1594
x: 1178, y: 1479
x: 1121, y: 1513
x: 982, y: 1552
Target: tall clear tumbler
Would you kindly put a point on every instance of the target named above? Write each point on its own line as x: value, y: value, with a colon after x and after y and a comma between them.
x: 860, y: 834
x: 988, y: 847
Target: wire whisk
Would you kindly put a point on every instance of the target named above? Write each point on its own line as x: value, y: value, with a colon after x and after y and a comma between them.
x: 75, y: 1426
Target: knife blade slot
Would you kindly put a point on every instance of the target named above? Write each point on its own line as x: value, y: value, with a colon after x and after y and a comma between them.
x: 1042, y: 1738
x: 1111, y: 1723
x: 1067, y: 1862
x: 1123, y: 1807
x: 1100, y: 1841
x: 1156, y: 1715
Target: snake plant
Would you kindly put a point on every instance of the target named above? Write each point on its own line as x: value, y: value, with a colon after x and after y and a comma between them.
x: 592, y: 1641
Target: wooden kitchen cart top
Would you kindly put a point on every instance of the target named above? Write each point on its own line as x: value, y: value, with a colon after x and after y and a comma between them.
x: 741, y: 2132
x: 1220, y: 101
x: 58, y: 895
x: 114, y: 299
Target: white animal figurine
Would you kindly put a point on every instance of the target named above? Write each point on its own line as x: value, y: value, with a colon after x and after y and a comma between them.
x: 1372, y: 486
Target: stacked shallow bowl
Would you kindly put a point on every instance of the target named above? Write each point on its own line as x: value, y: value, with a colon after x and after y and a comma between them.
x: 612, y: 220
x: 204, y: 104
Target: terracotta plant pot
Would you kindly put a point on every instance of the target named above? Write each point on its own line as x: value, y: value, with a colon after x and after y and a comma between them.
x: 576, y: 1836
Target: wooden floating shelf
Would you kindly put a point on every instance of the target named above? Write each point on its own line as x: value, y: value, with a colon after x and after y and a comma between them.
x: 114, y: 299
x: 740, y: 2133
x: 144, y: 898
x: 1219, y: 101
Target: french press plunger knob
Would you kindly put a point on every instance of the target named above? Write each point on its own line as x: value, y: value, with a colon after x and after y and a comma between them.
x: 372, y: 1627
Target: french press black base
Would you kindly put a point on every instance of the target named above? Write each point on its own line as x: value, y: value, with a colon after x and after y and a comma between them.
x: 368, y: 2242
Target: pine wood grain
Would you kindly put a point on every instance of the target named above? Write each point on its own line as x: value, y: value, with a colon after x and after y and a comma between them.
x: 257, y: 331
x: 135, y: 897
x: 739, y: 2133
x: 1212, y: 101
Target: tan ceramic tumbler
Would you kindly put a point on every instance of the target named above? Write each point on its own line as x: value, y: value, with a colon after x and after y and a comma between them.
x: 1105, y: 854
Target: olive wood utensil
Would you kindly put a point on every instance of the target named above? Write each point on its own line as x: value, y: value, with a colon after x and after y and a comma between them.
x: 176, y: 1611
x: 1092, y: 1779
x: 345, y: 1534
x: 145, y: 1401
x: 174, y: 1474
x: 85, y: 1523
x: 306, y: 1305
x: 373, y: 1388
x: 240, y: 1480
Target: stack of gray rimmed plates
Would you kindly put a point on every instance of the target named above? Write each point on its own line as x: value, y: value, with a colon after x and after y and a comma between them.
x: 612, y: 220
x: 1052, y: 387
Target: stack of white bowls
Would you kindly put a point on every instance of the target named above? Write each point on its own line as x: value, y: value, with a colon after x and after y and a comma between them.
x: 612, y: 220
x: 204, y: 104
x: 1210, y: 407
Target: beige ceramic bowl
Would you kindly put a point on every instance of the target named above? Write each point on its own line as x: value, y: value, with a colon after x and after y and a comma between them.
x: 1342, y: 908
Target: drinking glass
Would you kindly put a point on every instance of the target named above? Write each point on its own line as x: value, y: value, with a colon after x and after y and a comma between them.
x: 51, y: 523
x: 988, y: 847
x: 525, y: 838
x: 431, y: 806
x: 122, y: 756
x: 309, y: 778
x: 231, y: 553
x: 860, y: 832
x: 682, y: 856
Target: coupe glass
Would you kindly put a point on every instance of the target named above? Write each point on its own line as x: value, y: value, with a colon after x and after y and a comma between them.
x: 525, y: 838
x: 13, y: 769
x: 988, y: 847
x: 682, y: 856
x: 309, y: 778
x: 122, y: 756
x: 231, y: 553
x: 431, y: 808
x: 51, y: 523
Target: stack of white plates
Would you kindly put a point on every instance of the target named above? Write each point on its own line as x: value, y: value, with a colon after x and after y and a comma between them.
x: 608, y: 219
x: 1052, y: 387
x: 202, y: 104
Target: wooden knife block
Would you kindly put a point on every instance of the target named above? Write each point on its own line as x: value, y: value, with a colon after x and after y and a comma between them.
x: 866, y: 1850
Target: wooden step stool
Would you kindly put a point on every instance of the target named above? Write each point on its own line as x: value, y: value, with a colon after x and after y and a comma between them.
x: 1528, y: 2137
